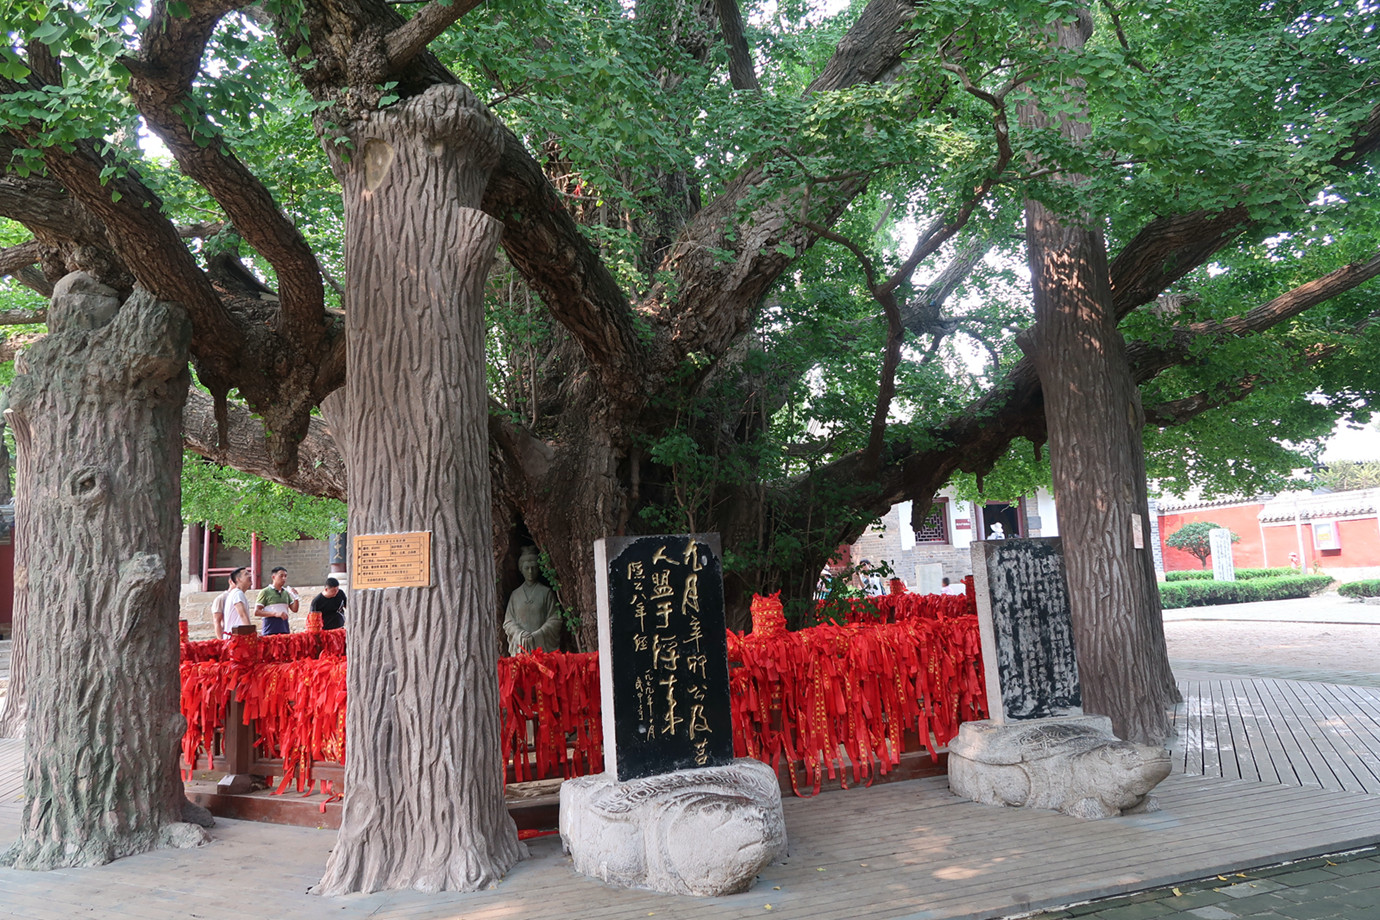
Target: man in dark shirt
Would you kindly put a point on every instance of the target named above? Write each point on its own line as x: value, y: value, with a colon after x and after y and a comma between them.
x: 331, y: 604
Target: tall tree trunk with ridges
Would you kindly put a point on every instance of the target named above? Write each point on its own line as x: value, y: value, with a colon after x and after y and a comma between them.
x: 1094, y: 418
x: 423, y: 774
x: 99, y: 537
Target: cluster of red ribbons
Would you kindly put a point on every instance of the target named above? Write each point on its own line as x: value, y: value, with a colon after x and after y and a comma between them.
x: 292, y: 688
x: 824, y: 699
x: 856, y: 692
x: 289, y: 647
x: 895, y: 608
x: 558, y: 694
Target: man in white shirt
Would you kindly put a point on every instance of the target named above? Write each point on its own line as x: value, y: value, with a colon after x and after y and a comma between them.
x: 218, y: 613
x: 236, y: 603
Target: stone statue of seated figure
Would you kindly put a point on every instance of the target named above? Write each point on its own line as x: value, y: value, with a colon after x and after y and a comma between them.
x: 532, y: 620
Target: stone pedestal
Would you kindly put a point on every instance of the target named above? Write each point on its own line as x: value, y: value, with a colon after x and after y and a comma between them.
x: 706, y: 831
x: 1074, y: 765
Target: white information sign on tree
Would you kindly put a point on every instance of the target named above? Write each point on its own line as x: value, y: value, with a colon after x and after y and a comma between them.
x: 1219, y: 539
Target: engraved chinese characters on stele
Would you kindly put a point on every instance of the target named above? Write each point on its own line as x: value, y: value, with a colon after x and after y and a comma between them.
x: 1026, y: 625
x: 663, y: 655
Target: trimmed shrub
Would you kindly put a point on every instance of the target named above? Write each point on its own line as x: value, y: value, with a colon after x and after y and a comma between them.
x: 1279, y: 572
x: 1197, y: 593
x: 1241, y: 574
x: 1370, y: 587
x: 1188, y: 575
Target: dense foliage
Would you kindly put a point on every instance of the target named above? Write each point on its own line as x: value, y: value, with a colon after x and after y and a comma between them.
x: 709, y: 263
x: 242, y: 505
x: 1344, y: 475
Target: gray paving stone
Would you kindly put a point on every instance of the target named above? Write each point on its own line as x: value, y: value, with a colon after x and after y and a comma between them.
x: 1213, y: 912
x: 1251, y: 888
x: 1314, y: 910
x: 1145, y: 910
x: 1262, y: 902
x: 1355, y: 866
x: 1305, y: 877
x: 1200, y: 898
x: 1366, y: 902
x: 1316, y: 892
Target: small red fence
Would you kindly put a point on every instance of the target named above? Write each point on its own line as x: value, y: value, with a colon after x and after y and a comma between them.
x: 837, y: 700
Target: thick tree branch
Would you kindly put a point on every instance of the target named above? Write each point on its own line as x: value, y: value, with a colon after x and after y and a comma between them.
x: 410, y: 39
x: 43, y: 205
x: 1149, y: 360
x: 161, y: 84
x: 1168, y: 248
x: 1177, y: 411
x: 319, y: 470
x: 872, y: 48
x: 741, y: 73
x: 149, y: 245
x: 22, y: 256
x: 922, y: 314
x: 22, y: 318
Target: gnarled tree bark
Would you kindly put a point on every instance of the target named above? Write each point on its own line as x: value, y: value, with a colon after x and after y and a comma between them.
x: 424, y: 779
x: 99, y: 537
x: 1094, y: 418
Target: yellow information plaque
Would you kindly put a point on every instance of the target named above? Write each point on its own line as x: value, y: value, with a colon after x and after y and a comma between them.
x: 391, y: 560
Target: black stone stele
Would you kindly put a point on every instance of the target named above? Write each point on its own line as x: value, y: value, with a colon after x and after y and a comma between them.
x: 663, y: 654
x: 1029, y: 642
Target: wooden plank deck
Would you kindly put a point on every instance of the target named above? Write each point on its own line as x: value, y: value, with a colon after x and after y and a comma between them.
x: 1266, y: 729
x: 1266, y: 770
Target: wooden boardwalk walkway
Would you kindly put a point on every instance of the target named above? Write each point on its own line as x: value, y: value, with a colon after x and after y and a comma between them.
x: 1298, y: 733
x: 902, y: 850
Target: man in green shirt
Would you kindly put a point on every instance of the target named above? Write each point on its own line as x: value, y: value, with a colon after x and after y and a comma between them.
x: 275, y: 603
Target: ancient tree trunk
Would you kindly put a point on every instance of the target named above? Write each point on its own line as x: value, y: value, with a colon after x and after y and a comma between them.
x: 98, y: 420
x: 15, y: 703
x: 1094, y: 418
x: 424, y: 778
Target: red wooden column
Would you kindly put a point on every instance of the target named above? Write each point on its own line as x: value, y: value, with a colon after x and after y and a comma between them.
x: 256, y: 560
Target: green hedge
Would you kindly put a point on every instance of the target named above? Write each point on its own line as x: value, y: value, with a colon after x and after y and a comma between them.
x: 1197, y: 593
x: 1367, y: 588
x: 1241, y: 574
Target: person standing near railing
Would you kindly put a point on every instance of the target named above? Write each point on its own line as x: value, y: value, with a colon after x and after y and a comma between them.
x: 275, y: 604
x: 330, y: 603
x: 236, y: 606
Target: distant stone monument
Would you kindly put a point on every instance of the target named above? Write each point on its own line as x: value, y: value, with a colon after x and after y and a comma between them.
x: 1223, y: 566
x: 673, y: 810
x: 1038, y: 749
x: 1027, y: 629
x: 929, y: 578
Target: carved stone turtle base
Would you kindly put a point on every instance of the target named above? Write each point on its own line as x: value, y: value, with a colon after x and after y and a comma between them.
x: 706, y: 832
x: 1074, y: 765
